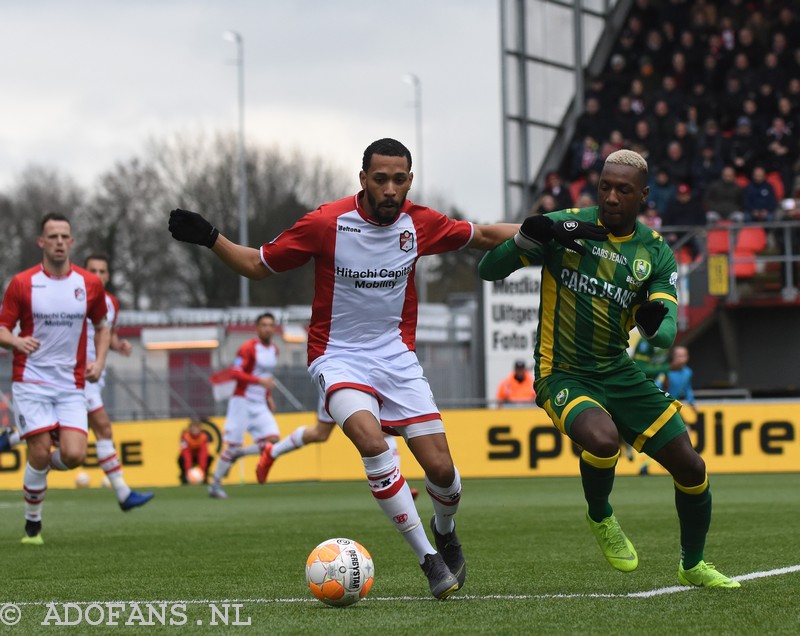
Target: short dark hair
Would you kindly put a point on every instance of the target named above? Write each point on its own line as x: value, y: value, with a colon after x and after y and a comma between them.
x: 52, y: 216
x: 266, y: 314
x: 97, y: 256
x: 387, y: 147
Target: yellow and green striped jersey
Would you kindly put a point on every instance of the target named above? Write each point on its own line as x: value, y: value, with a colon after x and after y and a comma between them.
x: 588, y: 302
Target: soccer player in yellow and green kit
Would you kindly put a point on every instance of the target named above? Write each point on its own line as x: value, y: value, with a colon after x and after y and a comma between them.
x: 604, y: 273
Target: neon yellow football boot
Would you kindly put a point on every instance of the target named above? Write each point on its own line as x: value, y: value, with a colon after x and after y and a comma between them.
x: 33, y: 533
x: 705, y: 575
x: 616, y: 547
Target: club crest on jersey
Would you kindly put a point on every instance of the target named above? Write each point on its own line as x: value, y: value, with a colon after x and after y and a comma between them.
x: 407, y: 240
x: 80, y: 293
x: 641, y: 269
x: 562, y: 397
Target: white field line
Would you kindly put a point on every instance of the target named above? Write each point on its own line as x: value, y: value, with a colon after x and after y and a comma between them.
x: 507, y: 597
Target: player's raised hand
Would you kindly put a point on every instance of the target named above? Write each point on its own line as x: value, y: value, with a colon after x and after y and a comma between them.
x: 191, y: 227
x: 649, y: 317
x: 539, y: 229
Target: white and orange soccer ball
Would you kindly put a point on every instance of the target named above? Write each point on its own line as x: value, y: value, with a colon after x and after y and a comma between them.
x: 195, y: 475
x: 339, y: 572
x: 82, y: 479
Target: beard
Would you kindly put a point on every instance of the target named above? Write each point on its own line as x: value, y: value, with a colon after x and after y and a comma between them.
x: 385, y: 212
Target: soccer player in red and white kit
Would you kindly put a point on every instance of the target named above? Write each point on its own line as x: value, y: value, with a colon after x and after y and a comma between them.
x: 248, y: 408
x: 51, y: 302
x: 361, y: 350
x: 99, y: 422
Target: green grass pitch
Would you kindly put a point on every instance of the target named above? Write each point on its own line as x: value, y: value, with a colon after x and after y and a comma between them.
x: 533, y: 565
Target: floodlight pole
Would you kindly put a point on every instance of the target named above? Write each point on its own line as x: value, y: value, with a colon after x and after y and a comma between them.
x: 422, y: 270
x: 244, y: 283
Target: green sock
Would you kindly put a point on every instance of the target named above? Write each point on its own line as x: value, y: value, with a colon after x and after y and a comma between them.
x: 694, y: 514
x: 597, y: 485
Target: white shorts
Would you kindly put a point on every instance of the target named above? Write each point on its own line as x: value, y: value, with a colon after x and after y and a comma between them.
x: 398, y: 384
x: 346, y: 401
x: 41, y: 407
x: 247, y: 415
x: 322, y: 414
x: 94, y: 396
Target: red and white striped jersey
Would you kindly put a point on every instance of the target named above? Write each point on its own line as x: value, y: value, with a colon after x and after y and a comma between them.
x: 54, y: 310
x: 364, y: 293
x: 112, y: 309
x: 258, y: 360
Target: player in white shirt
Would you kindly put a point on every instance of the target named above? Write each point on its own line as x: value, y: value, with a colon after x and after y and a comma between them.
x: 361, y: 350
x: 250, y: 407
x: 51, y: 303
x: 99, y: 422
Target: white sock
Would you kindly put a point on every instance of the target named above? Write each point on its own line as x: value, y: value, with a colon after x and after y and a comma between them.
x: 34, y: 488
x: 394, y: 497
x: 391, y: 440
x: 445, y: 503
x: 56, y: 463
x: 253, y: 449
x: 109, y: 461
x: 226, y: 458
x: 288, y: 444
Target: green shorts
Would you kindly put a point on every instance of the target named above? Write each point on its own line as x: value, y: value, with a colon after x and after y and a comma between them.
x: 645, y: 416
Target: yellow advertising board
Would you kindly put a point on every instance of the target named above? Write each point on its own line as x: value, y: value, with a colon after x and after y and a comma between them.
x: 732, y: 438
x: 718, y: 283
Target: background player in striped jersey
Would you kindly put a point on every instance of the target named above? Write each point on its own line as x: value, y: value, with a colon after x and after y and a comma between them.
x: 250, y: 407
x: 361, y: 350
x: 51, y: 302
x: 592, y: 295
x: 99, y: 422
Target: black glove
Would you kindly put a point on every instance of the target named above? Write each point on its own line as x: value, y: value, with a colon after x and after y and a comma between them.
x: 191, y: 227
x: 539, y: 229
x: 649, y: 317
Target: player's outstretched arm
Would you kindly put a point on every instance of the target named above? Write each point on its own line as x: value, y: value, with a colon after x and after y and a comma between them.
x: 501, y: 261
x: 242, y: 260
x: 486, y: 237
x: 191, y: 227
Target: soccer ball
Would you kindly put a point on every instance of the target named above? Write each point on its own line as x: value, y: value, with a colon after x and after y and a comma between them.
x: 339, y: 572
x: 195, y: 475
x: 82, y: 480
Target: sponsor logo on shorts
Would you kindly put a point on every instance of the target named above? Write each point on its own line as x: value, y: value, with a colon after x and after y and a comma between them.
x: 562, y: 397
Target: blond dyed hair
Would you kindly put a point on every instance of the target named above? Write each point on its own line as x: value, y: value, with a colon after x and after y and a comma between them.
x: 628, y: 158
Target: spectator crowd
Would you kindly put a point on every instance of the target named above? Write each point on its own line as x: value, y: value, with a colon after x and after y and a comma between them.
x: 709, y: 93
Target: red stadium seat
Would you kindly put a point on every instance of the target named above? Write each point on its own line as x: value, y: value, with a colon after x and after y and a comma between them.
x: 751, y: 239
x: 774, y: 179
x: 718, y: 239
x: 745, y: 263
x: 575, y: 188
